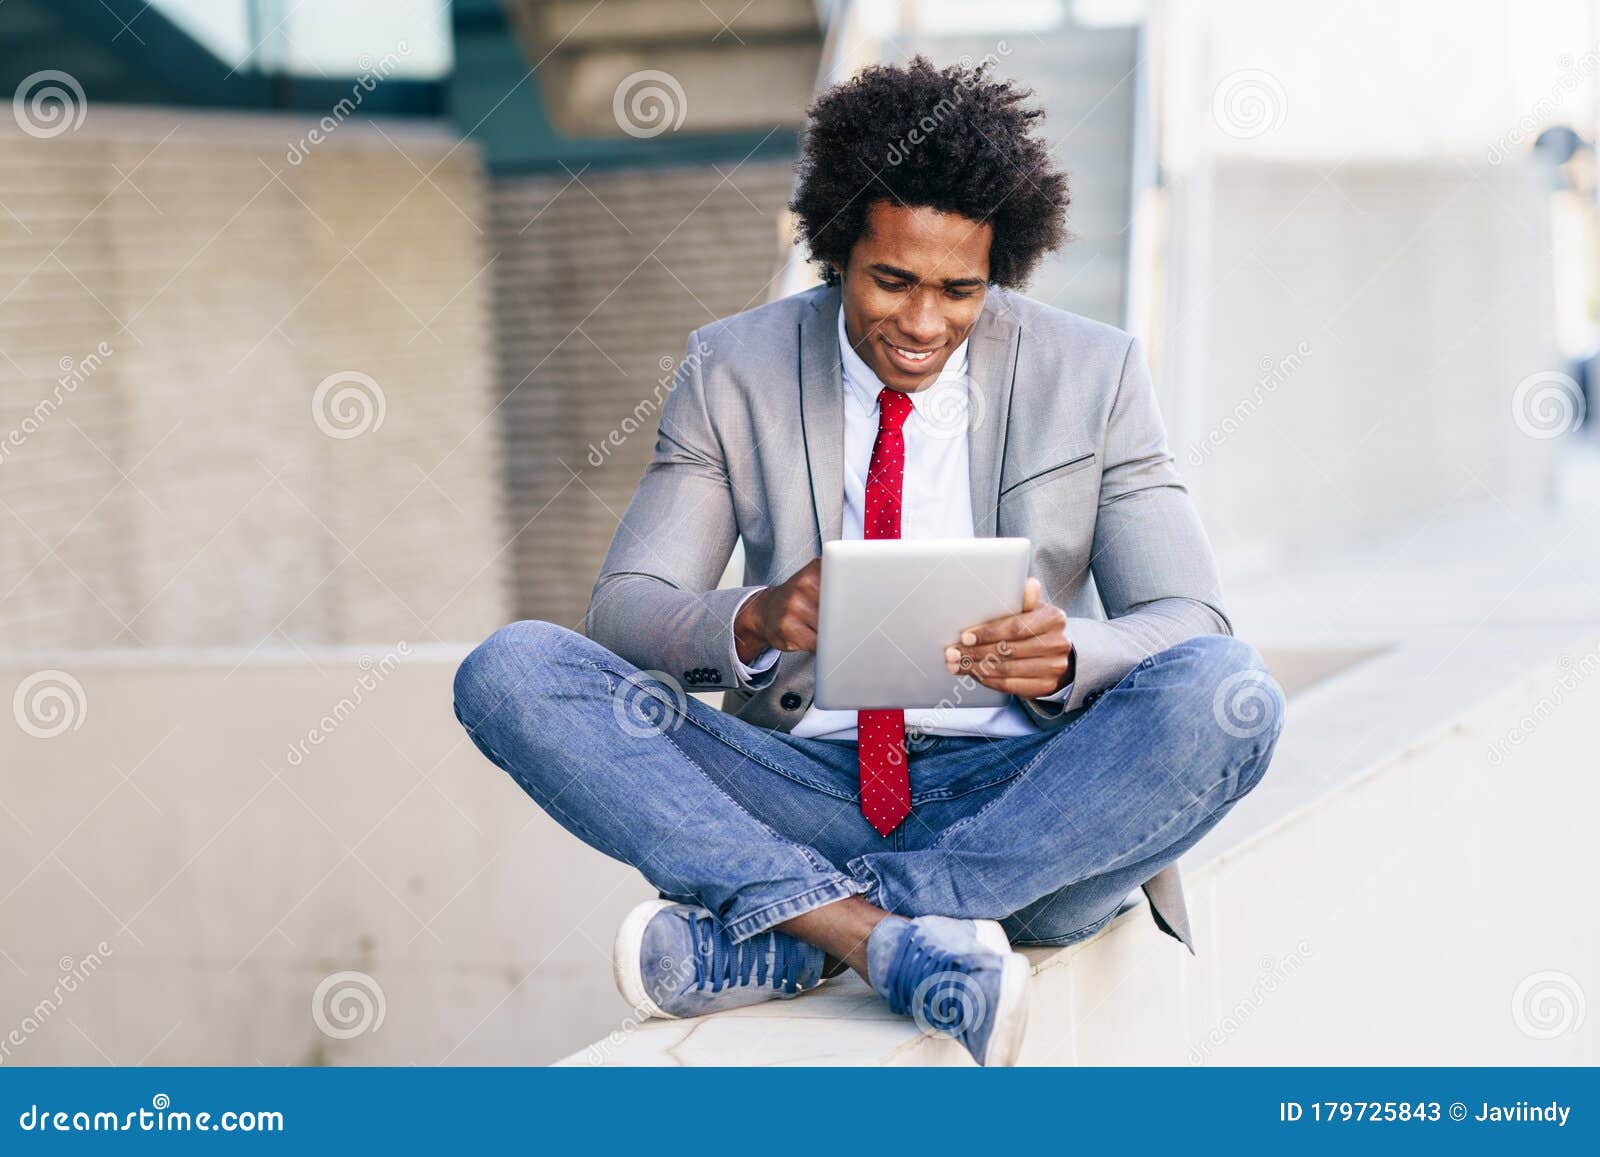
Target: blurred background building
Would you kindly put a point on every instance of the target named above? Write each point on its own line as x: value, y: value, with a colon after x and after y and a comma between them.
x: 334, y: 335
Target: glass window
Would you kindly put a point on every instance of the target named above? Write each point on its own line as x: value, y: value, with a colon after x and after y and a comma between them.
x: 344, y: 38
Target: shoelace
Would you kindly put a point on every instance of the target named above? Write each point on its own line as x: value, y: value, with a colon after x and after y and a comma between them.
x: 915, y: 963
x: 770, y: 958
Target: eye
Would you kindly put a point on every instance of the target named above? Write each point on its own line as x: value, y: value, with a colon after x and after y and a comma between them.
x: 958, y: 294
x: 891, y: 286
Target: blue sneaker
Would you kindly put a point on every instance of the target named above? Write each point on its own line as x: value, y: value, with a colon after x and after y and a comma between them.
x: 956, y: 978
x: 675, y: 960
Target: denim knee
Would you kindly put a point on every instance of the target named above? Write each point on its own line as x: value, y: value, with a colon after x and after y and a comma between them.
x: 1238, y: 700
x: 1245, y: 703
x: 506, y: 663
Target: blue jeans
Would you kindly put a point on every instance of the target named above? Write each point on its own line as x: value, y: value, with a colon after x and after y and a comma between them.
x: 1047, y: 832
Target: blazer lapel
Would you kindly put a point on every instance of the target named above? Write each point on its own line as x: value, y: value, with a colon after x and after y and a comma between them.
x: 822, y: 412
x: 991, y: 364
x: 991, y: 367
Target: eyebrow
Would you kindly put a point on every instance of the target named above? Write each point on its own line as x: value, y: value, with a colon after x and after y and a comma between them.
x: 907, y: 275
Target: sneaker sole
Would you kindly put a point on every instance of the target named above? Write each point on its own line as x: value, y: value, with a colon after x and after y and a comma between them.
x: 625, y: 950
x: 1011, y: 1018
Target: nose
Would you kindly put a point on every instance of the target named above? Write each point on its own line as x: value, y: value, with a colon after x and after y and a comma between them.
x: 919, y: 320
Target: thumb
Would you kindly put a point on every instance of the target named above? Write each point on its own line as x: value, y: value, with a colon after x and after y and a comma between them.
x: 1030, y: 594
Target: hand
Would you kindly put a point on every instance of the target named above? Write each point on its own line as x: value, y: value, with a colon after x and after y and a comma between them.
x: 784, y: 616
x: 1027, y: 654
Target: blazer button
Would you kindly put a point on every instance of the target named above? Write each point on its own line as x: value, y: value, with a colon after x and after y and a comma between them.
x: 790, y: 700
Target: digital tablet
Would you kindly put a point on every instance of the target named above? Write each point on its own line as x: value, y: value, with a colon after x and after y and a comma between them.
x: 889, y: 607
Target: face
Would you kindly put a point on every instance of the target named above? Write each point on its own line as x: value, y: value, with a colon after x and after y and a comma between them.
x: 913, y: 289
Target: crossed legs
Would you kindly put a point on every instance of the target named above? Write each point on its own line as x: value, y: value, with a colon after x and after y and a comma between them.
x: 759, y: 828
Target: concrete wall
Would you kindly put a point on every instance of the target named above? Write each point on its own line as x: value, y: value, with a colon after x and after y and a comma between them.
x: 1340, y: 351
x: 194, y: 287
x: 1396, y: 226
x: 600, y: 279
x: 230, y: 871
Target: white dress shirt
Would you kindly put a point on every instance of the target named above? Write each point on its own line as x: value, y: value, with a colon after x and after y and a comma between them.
x: 936, y: 502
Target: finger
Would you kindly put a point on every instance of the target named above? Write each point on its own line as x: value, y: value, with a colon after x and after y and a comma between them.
x: 1030, y: 594
x: 1020, y: 626
x: 1048, y: 667
x: 1026, y: 686
x: 1030, y: 647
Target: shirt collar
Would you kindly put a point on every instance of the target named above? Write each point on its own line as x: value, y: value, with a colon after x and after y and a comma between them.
x: 859, y: 378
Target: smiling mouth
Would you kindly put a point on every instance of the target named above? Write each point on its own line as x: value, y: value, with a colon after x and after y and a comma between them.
x: 910, y: 355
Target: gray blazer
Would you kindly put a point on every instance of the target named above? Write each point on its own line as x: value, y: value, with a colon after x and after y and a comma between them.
x: 1067, y: 449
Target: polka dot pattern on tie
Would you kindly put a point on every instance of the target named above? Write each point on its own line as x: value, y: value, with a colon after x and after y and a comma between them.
x: 881, y: 735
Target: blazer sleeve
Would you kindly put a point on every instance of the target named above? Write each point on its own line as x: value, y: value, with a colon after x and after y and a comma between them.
x: 1152, y: 563
x: 655, y: 602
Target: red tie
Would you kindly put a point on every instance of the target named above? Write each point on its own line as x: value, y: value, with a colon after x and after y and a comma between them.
x: 881, y: 735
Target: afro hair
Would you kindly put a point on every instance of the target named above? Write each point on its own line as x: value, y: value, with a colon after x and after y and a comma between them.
x: 949, y: 139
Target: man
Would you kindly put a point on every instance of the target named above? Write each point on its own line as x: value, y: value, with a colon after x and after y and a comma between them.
x: 914, y: 395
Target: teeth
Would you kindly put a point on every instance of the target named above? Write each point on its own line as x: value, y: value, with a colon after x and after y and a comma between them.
x: 916, y: 357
